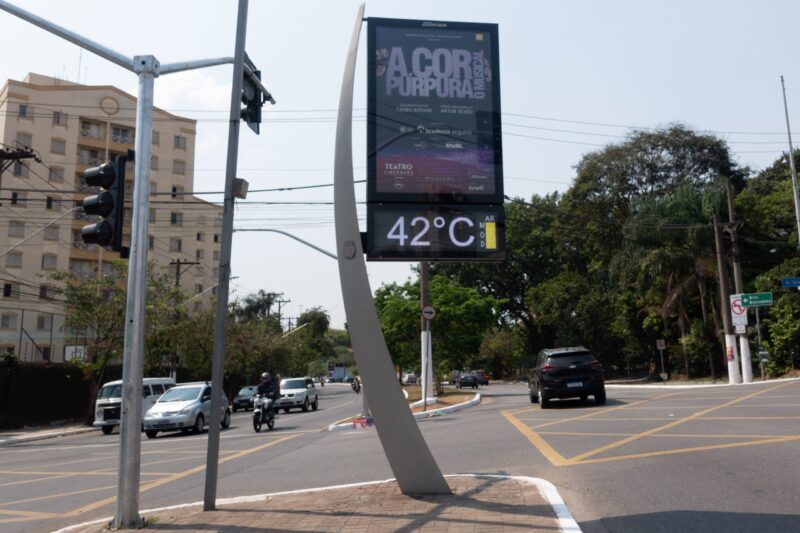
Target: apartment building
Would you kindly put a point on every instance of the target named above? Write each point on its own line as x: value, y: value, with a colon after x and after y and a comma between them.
x: 73, y: 127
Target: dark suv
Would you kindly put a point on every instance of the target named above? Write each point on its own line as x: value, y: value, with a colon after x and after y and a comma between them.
x: 566, y: 373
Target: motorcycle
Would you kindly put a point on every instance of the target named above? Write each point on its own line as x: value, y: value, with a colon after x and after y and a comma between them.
x: 356, y: 384
x: 263, y: 413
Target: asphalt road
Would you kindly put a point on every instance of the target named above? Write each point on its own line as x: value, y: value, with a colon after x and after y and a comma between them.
x: 705, y: 459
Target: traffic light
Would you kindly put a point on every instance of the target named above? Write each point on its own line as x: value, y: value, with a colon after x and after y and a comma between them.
x: 109, y: 204
x: 253, y: 100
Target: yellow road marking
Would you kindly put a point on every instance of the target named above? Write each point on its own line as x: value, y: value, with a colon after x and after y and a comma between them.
x: 660, y: 435
x: 175, y: 477
x: 681, y: 450
x: 27, y: 515
x: 658, y: 429
x: 51, y: 496
x: 26, y: 481
x: 548, y: 451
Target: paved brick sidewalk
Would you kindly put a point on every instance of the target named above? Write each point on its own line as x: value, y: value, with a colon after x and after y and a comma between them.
x: 480, y: 503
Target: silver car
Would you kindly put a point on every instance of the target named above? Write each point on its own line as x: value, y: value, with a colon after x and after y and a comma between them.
x: 298, y: 392
x: 185, y: 407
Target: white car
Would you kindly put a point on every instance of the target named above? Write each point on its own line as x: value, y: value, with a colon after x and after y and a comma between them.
x: 109, y: 400
x: 185, y: 407
x: 298, y: 392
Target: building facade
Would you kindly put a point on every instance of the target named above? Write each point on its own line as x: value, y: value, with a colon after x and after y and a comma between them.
x: 71, y: 128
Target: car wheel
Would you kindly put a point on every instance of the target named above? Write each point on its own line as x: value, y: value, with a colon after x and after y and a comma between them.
x: 107, y: 430
x: 151, y: 434
x: 600, y: 397
x: 199, y: 424
x: 315, y: 405
x: 285, y: 409
x: 226, y: 420
x: 533, y: 396
x: 305, y: 406
x: 544, y: 401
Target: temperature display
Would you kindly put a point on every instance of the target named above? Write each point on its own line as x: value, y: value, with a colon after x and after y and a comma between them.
x: 438, y: 232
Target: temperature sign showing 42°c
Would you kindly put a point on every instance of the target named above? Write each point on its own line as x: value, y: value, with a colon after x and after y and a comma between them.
x: 401, y: 231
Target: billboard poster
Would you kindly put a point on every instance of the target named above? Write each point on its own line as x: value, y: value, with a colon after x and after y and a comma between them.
x: 433, y: 112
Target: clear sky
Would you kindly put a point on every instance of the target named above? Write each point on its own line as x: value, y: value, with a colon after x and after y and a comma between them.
x: 574, y: 75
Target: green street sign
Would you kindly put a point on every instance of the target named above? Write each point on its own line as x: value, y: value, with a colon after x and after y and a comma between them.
x: 757, y: 299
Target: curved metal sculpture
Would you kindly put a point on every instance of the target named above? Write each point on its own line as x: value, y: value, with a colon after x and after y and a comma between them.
x: 409, y: 457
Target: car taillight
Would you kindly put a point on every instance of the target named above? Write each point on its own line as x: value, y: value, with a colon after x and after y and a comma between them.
x: 545, y: 368
x: 596, y: 364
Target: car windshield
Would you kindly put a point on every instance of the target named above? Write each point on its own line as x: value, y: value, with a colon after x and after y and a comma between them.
x: 246, y: 391
x: 111, y: 391
x: 570, y: 359
x: 293, y: 384
x: 180, y: 394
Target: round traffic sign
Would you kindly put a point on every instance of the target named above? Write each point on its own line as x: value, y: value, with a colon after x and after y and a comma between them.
x: 428, y: 312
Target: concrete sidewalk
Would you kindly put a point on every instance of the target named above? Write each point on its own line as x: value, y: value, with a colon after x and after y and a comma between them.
x: 478, y: 503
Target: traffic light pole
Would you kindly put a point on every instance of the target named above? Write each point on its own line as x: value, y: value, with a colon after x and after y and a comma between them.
x: 147, y: 68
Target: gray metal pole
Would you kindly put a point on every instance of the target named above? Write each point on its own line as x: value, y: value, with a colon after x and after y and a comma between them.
x: 127, y: 513
x: 724, y: 296
x: 791, y: 164
x: 212, y: 456
x: 424, y: 299
x: 409, y: 456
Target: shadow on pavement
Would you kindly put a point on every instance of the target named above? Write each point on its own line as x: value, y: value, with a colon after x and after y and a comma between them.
x: 696, y: 521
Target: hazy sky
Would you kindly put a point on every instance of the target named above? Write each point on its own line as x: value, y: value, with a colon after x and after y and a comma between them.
x: 574, y: 77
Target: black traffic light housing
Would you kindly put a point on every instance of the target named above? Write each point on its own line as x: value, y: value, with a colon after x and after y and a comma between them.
x: 253, y: 100
x: 109, y: 204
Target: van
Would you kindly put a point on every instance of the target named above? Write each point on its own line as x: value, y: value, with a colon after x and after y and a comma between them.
x: 109, y: 400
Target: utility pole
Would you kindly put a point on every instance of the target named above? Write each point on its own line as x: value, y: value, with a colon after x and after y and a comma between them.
x: 178, y: 272
x: 280, y: 305
x: 791, y: 164
x: 175, y: 359
x: 724, y: 296
x: 744, y: 341
x: 426, y: 380
x: 9, y: 156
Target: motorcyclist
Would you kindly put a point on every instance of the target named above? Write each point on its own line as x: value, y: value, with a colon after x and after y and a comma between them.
x: 269, y: 389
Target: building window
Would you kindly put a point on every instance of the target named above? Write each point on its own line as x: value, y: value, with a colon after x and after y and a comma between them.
x: 215, y: 272
x: 175, y: 244
x: 120, y: 135
x: 90, y: 129
x: 176, y: 219
x: 51, y: 233
x: 198, y: 288
x: 88, y: 157
x: 14, y: 260
x: 128, y: 190
x: 180, y: 142
x: 53, y: 203
x: 216, y: 237
x: 177, y: 192
x: 8, y: 321
x: 16, y: 229
x: 201, y: 236
x: 46, y: 292
x: 49, y: 262
x: 25, y: 111
x: 214, y: 291
x: 178, y: 166
x: 199, y: 254
x: 201, y: 220
x: 10, y: 290
x: 55, y: 174
x: 151, y: 217
x: 154, y: 163
x: 44, y: 322
x: 20, y: 169
x: 151, y: 242
x: 25, y: 139
x: 20, y: 199
x: 58, y: 146
x: 215, y: 255
x: 59, y: 118
x: 156, y: 137
x: 217, y: 222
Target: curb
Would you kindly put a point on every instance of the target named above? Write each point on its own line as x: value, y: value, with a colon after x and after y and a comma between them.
x: 566, y: 522
x: 423, y: 415
x: 45, y: 435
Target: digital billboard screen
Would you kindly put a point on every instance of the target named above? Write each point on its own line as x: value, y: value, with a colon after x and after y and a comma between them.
x: 433, y: 112
x: 402, y: 232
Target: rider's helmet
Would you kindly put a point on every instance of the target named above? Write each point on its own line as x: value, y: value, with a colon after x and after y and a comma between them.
x: 265, y: 375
